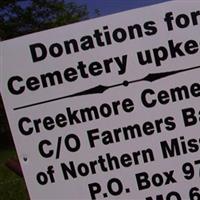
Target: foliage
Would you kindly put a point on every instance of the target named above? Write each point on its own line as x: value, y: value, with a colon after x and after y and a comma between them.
x: 5, y: 135
x: 12, y: 187
x: 23, y: 17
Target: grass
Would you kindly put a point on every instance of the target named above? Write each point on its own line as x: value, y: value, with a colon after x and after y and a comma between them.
x: 12, y: 187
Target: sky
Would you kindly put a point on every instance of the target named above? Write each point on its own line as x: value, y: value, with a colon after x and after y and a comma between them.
x: 113, y: 6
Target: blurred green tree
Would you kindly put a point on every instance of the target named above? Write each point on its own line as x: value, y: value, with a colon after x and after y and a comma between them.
x: 19, y: 17
x: 5, y: 136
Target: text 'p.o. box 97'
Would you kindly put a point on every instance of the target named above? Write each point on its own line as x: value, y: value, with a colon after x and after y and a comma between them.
x: 108, y: 108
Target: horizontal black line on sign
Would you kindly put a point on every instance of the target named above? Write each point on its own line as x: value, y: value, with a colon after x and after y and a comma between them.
x: 101, y: 88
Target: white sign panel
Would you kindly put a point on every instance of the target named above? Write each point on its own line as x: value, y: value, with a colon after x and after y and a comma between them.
x: 108, y: 108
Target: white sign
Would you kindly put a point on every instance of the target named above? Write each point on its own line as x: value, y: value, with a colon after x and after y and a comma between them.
x: 108, y: 108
